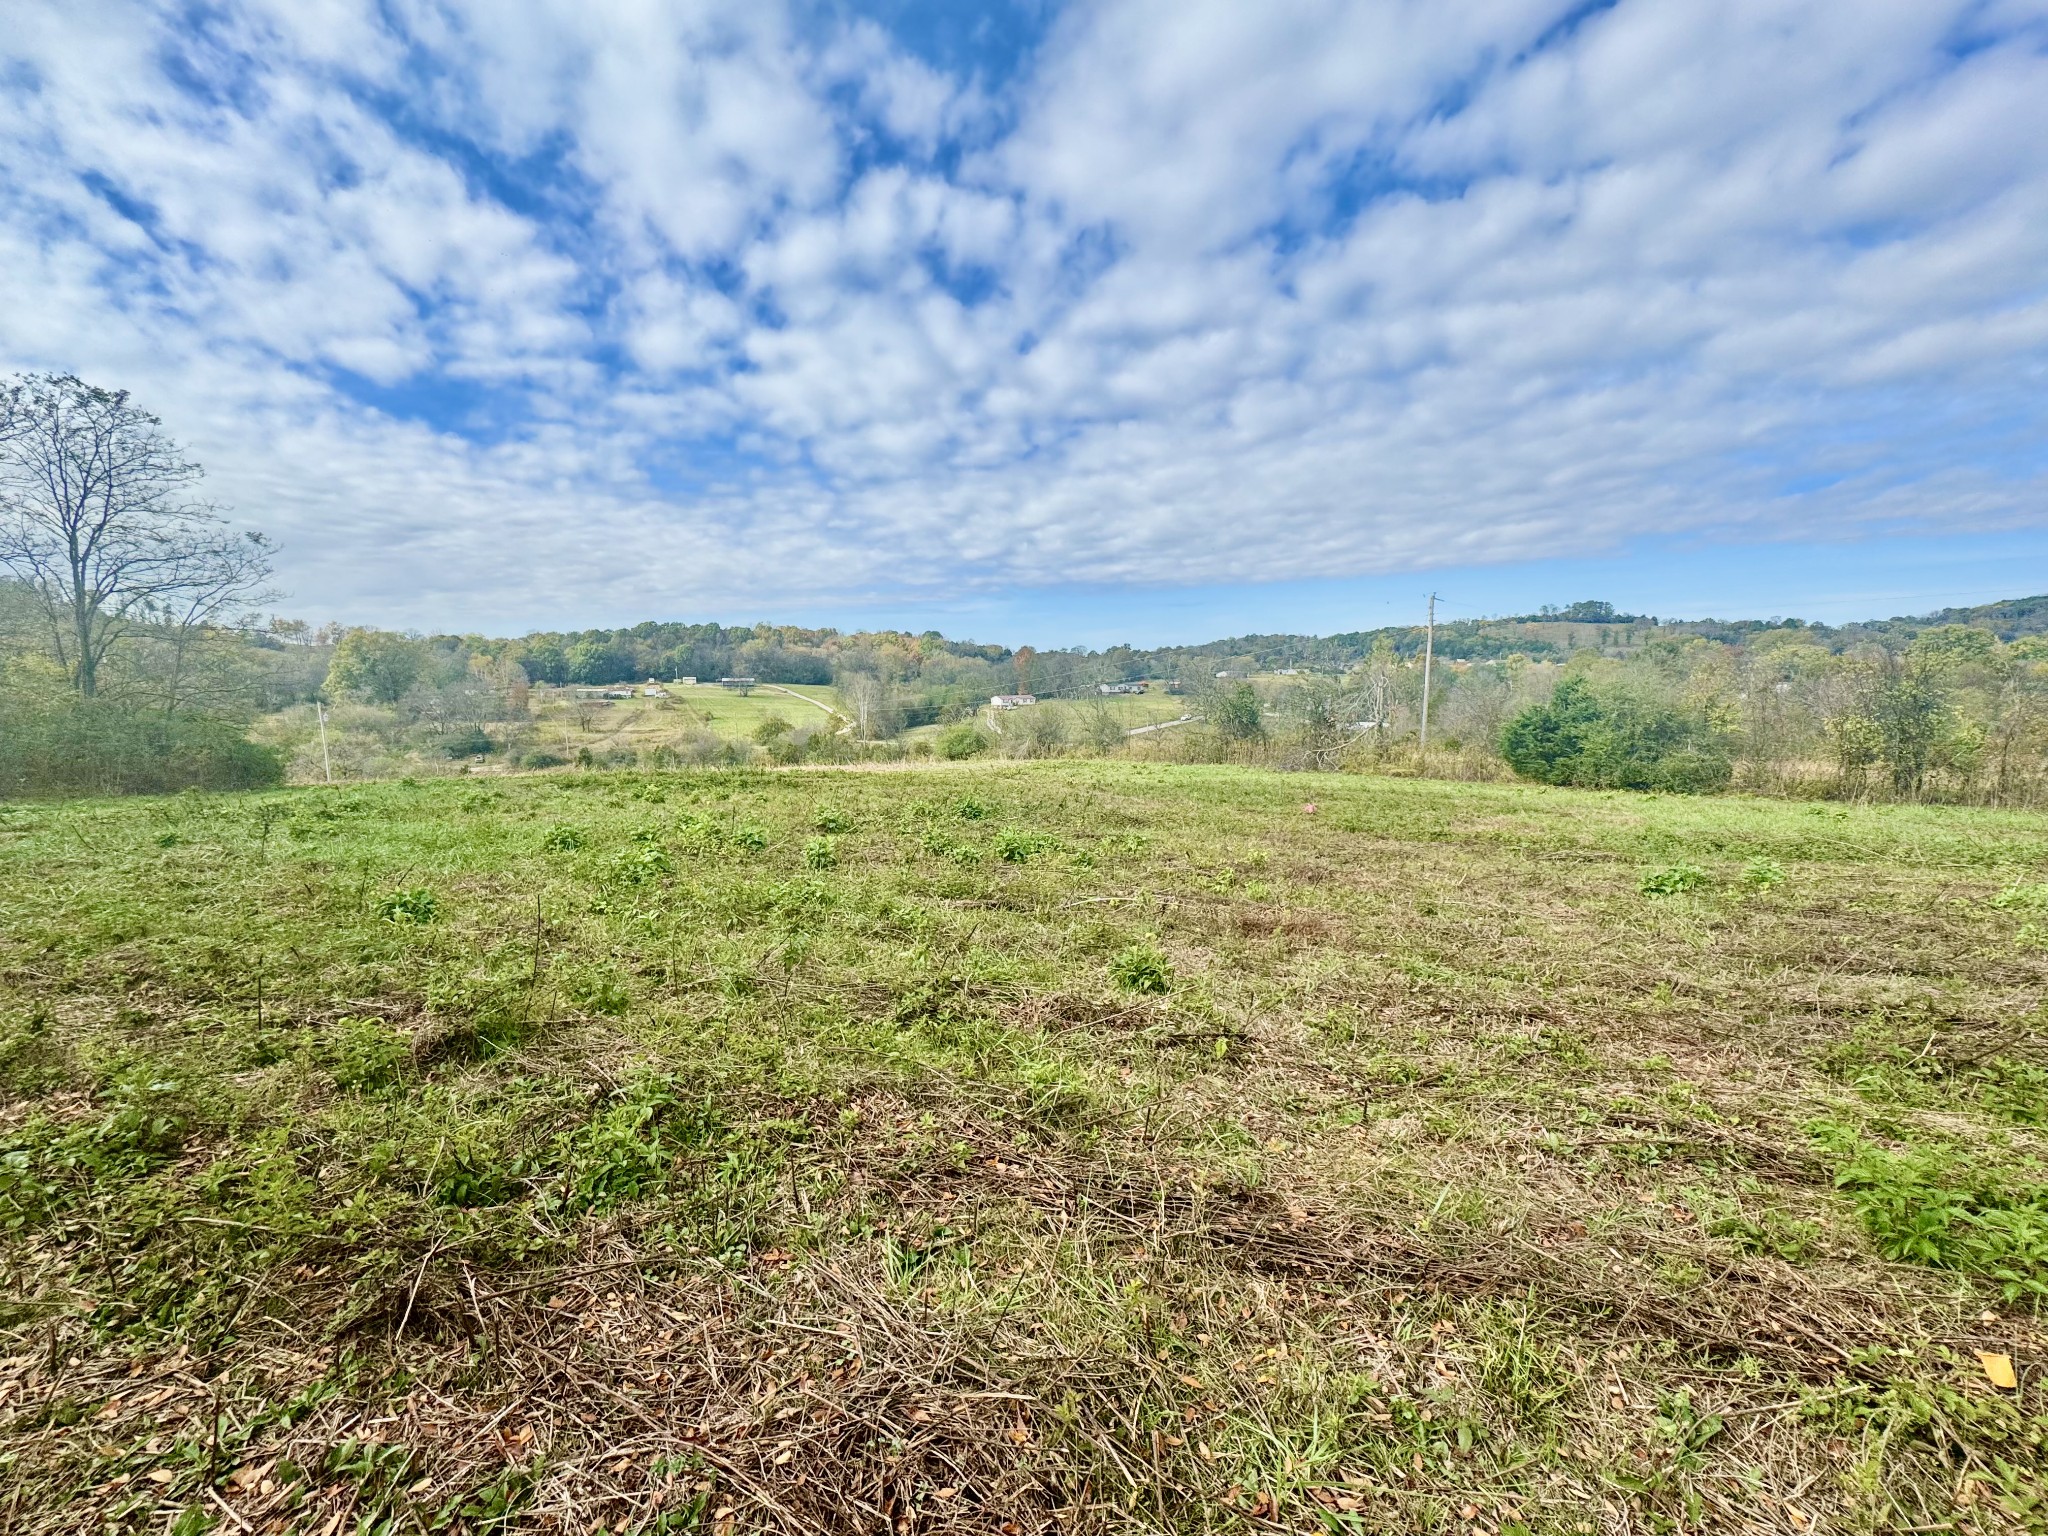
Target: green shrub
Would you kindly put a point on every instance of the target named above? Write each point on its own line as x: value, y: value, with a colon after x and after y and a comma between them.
x: 1937, y: 1207
x: 542, y: 760
x: 957, y: 743
x: 2021, y: 897
x: 829, y: 820
x: 971, y: 809
x: 627, y: 1151
x: 598, y: 988
x: 642, y: 863
x: 1617, y: 738
x: 63, y: 745
x: 1763, y: 874
x: 561, y: 839
x: 1235, y: 715
x: 1142, y: 968
x: 749, y: 836
x: 936, y: 842
x: 414, y: 905
x: 819, y: 853
x: 43, y: 1166
x: 1674, y: 880
x: 1014, y: 847
x: 471, y: 742
x: 363, y: 1053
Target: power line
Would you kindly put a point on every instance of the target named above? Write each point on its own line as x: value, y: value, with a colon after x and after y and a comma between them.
x: 1428, y: 650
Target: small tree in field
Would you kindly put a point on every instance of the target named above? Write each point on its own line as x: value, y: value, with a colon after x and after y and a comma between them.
x: 96, y: 522
x: 1235, y: 714
x: 1617, y: 738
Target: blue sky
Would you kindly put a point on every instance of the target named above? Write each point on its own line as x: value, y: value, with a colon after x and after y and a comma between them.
x: 1061, y: 322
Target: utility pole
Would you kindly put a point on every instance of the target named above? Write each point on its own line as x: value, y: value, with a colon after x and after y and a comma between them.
x: 326, y: 766
x: 1428, y: 652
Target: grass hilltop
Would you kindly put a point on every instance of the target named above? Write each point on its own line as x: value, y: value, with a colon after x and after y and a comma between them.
x: 1019, y: 1147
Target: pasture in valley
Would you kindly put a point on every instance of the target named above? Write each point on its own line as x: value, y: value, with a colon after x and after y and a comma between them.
x: 567, y: 721
x: 1019, y: 1147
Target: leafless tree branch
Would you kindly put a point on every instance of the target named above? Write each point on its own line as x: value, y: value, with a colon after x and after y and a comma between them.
x: 97, y: 523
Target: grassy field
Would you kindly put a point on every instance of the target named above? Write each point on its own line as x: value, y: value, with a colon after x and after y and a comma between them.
x: 1127, y: 710
x: 567, y: 721
x: 1019, y: 1147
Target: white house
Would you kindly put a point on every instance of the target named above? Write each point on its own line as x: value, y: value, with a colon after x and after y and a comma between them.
x: 1011, y: 700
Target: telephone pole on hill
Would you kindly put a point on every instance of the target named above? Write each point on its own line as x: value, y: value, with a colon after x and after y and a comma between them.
x: 1428, y: 652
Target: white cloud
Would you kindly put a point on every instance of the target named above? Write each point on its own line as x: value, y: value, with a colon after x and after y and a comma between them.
x: 518, y: 310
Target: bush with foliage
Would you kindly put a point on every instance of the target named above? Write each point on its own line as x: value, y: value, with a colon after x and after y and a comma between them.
x: 1617, y: 738
x: 471, y: 741
x: 1674, y: 880
x: 1235, y: 714
x: 1940, y: 1207
x: 1142, y: 968
x: 957, y: 743
x: 60, y: 744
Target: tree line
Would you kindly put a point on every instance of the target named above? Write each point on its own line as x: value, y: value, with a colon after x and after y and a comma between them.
x: 1916, y: 711
x: 133, y: 657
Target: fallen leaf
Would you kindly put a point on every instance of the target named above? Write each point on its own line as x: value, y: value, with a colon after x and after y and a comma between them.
x: 1020, y: 1436
x: 1998, y: 1370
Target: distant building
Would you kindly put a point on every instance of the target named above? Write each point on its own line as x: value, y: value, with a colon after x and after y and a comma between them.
x: 741, y: 683
x: 1011, y: 700
x: 1290, y: 672
x: 1116, y: 688
x: 686, y: 682
x: 654, y: 691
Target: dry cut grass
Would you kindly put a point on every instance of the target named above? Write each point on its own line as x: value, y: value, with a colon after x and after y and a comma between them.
x: 1038, y: 1147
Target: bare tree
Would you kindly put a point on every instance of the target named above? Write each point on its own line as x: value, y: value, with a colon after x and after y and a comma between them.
x: 96, y: 522
x: 871, y: 701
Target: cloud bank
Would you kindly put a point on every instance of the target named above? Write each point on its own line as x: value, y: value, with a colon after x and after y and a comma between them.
x: 501, y: 313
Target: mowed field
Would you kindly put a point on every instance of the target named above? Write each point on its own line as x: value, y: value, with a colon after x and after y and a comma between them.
x: 1019, y: 1147
x: 565, y: 723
